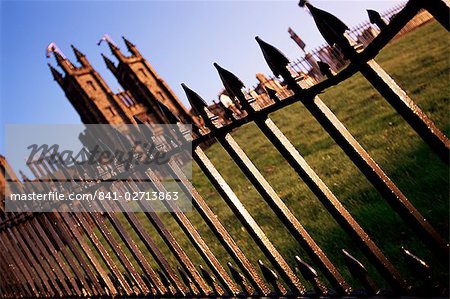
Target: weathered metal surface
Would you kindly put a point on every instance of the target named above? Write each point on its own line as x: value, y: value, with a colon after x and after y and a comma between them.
x: 64, y: 254
x: 357, y: 154
x: 318, y: 187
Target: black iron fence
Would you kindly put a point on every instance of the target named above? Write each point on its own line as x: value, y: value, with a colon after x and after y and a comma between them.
x: 64, y: 254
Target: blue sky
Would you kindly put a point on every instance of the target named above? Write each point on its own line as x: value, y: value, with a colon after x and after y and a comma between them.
x: 181, y: 39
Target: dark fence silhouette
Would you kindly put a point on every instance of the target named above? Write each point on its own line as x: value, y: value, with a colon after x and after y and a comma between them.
x: 48, y: 254
x: 310, y: 67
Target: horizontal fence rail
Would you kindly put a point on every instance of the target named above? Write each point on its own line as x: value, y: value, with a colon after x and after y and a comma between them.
x: 113, y: 254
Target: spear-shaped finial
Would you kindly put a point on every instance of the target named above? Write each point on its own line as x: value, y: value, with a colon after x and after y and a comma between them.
x: 186, y: 279
x: 238, y: 277
x: 144, y: 128
x: 358, y: 270
x: 276, y: 60
x: 210, y: 280
x: 302, y: 3
x: 231, y: 82
x: 310, y: 275
x: 272, y: 278
x: 331, y: 28
x: 272, y: 93
x: 124, y: 142
x: 137, y: 120
x: 377, y: 19
x: 325, y: 69
x: 171, y: 117
x: 197, y: 103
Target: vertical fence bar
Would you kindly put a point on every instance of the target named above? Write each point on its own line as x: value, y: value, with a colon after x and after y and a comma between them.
x: 278, y: 62
x: 38, y: 273
x: 218, y: 229
x: 194, y: 237
x: 211, y: 219
x: 315, y: 184
x: 247, y: 220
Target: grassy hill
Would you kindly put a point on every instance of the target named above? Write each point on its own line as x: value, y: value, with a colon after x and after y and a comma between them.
x: 419, y: 62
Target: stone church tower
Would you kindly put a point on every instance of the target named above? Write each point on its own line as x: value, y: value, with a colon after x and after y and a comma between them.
x: 96, y: 103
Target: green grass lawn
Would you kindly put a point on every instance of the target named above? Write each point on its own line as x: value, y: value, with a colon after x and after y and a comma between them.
x: 419, y: 62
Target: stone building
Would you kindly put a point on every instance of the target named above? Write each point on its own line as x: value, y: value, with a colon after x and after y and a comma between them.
x: 96, y: 103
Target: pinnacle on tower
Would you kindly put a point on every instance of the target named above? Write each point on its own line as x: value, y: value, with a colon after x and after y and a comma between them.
x: 131, y: 47
x: 63, y: 62
x: 81, y: 58
x: 112, y: 46
x: 57, y: 76
x: 109, y: 64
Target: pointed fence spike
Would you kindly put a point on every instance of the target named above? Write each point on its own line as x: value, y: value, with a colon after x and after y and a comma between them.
x: 272, y: 93
x: 302, y: 3
x: 377, y: 19
x: 431, y: 286
x: 331, y: 28
x: 419, y: 265
x: 325, y: 69
x: 200, y: 107
x: 186, y: 279
x: 145, y: 129
x: 124, y: 142
x: 272, y: 278
x: 171, y: 117
x: 240, y: 280
x: 210, y: 280
x: 196, y: 101
x: 228, y: 113
x: 208, y: 277
x: 276, y: 60
x: 166, y: 282
x: 231, y: 82
x: 268, y: 273
x: 358, y: 271
x: 311, y: 276
x: 137, y: 120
